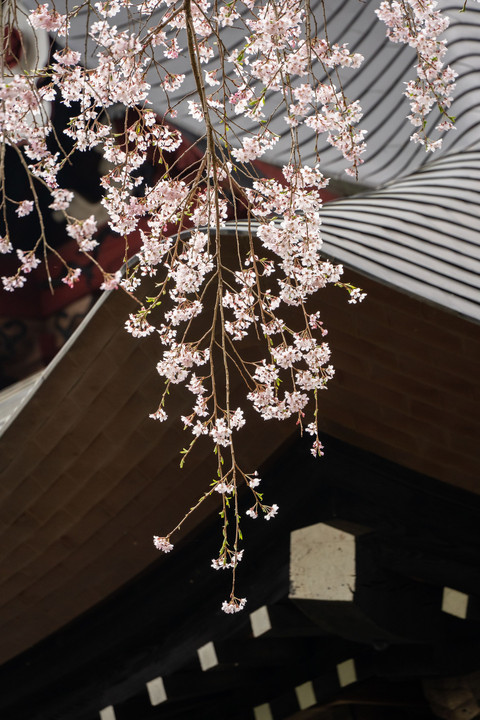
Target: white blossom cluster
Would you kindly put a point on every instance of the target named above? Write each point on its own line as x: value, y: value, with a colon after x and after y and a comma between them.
x: 417, y: 23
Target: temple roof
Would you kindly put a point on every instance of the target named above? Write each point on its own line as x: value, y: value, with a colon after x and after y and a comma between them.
x: 419, y: 234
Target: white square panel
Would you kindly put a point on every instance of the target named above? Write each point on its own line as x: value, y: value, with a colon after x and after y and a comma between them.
x: 263, y: 712
x: 347, y: 672
x: 260, y: 621
x: 455, y: 603
x: 207, y: 656
x: 107, y: 713
x: 156, y: 691
x: 305, y: 695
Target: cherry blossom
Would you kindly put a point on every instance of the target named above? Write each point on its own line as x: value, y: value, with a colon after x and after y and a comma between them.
x: 5, y: 245
x: 227, y: 560
x: 162, y: 543
x: 83, y: 231
x: 111, y: 282
x: 233, y: 605
x: 272, y: 512
x: 24, y: 208
x: 159, y: 414
x: 13, y: 282
x: 49, y: 20
x: 28, y: 261
x: 418, y: 24
x: 72, y: 277
x: 61, y: 199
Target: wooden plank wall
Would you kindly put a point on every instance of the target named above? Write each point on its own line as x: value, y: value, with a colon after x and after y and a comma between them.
x: 407, y: 385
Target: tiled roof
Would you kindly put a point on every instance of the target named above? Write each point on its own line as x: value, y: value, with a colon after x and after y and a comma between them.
x: 420, y: 234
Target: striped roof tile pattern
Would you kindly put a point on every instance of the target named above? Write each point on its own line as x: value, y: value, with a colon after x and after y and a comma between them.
x: 420, y: 234
x: 378, y: 84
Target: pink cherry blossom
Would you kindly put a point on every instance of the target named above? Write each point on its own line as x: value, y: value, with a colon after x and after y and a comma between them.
x: 162, y: 543
x: 24, y: 208
x: 234, y: 605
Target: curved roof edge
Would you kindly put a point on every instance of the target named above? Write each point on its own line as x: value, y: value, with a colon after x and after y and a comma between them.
x: 420, y: 234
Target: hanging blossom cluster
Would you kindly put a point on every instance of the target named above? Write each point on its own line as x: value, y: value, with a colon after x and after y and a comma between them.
x: 417, y: 23
x: 279, y: 47
x: 204, y: 289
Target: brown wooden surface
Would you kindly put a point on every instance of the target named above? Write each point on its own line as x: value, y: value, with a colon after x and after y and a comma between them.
x: 406, y: 386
